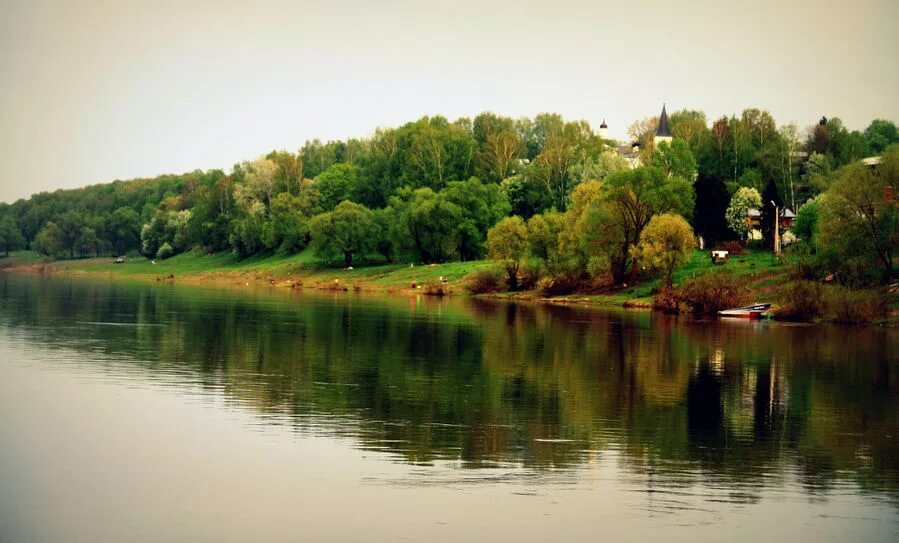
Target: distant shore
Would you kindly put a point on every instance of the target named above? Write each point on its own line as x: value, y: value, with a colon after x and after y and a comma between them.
x: 301, y: 270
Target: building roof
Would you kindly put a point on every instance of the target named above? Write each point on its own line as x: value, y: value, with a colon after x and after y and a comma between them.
x: 787, y: 213
x: 663, y: 131
x: 753, y: 212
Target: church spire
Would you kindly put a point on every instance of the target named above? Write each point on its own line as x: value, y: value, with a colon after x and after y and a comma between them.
x: 663, y: 131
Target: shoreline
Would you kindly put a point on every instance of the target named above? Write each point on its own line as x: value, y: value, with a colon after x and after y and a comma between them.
x: 386, y: 279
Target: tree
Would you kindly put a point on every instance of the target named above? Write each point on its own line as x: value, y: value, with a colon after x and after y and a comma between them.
x: 122, y: 228
x: 737, y: 212
x: 347, y: 231
x: 712, y: 200
x: 630, y: 200
x: 675, y: 158
x: 507, y: 242
x: 338, y: 183
x: 50, y: 240
x: 805, y: 227
x: 857, y: 222
x: 880, y: 134
x: 499, y: 147
x: 10, y: 236
x: 289, y: 230
x: 427, y: 225
x: 665, y: 244
x: 482, y: 206
x: 543, y: 235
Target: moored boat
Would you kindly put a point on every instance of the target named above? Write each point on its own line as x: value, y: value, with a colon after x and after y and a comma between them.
x: 756, y: 311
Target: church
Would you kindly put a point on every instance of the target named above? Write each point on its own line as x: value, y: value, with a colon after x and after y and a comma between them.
x: 631, y: 151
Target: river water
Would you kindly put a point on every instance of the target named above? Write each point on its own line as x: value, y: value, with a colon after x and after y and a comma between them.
x: 158, y: 412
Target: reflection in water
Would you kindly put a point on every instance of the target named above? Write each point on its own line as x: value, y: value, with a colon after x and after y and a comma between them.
x: 741, y: 407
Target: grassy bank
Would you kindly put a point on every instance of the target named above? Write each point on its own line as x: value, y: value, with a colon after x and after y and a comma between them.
x: 757, y: 269
x: 301, y: 269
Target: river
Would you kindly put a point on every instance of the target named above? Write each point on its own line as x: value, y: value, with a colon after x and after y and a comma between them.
x: 159, y: 412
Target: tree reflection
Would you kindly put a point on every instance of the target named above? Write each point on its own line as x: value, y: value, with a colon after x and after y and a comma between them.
x: 490, y: 383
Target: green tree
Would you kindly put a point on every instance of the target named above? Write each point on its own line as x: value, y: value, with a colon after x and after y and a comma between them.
x: 482, y: 205
x: 427, y: 225
x: 675, y: 159
x: 630, y: 200
x: 880, y: 134
x: 737, y: 212
x: 11, y: 237
x: 712, y: 200
x: 122, y: 228
x: 507, y: 242
x: 805, y: 226
x: 51, y: 240
x: 857, y: 222
x: 338, y: 183
x: 346, y: 232
x: 289, y: 230
x: 665, y: 244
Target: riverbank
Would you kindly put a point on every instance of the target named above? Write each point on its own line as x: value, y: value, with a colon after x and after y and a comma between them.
x: 758, y: 270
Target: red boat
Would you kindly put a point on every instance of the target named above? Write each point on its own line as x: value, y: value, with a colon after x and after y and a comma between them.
x: 756, y: 311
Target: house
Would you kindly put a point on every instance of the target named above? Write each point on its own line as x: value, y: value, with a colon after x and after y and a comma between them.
x: 787, y: 217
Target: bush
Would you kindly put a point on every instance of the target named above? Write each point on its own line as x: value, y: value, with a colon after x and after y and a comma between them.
x: 165, y: 251
x: 483, y: 281
x: 801, y: 301
x: 529, y: 274
x: 711, y: 292
x: 857, y: 306
x: 560, y: 284
x: 437, y: 288
x: 732, y: 247
x: 806, y: 268
x: 667, y: 300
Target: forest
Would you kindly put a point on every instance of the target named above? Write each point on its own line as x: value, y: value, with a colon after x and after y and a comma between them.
x: 545, y: 197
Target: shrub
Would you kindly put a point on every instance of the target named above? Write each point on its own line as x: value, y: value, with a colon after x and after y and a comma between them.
x: 560, y: 284
x: 529, y: 274
x: 711, y: 292
x: 483, y: 281
x: 165, y: 251
x: 801, y: 301
x: 667, y: 300
x: 857, y: 306
x: 437, y: 288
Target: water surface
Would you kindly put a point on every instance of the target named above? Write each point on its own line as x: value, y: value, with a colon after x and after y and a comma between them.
x: 135, y: 412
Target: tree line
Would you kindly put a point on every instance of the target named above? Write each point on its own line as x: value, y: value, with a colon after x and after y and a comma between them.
x: 430, y: 190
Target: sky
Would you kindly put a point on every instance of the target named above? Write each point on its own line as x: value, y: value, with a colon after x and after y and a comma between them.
x: 92, y: 91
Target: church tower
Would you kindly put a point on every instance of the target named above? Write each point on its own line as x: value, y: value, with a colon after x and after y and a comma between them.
x: 604, y: 130
x: 663, y: 133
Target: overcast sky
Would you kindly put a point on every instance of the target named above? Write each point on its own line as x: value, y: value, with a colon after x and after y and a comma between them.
x: 92, y: 91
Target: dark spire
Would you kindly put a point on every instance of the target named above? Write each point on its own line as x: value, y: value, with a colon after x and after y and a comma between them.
x: 603, y: 125
x: 663, y: 131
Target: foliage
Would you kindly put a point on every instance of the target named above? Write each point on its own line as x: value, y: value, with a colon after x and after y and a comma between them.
x: 165, y: 251
x: 11, y: 237
x: 675, y: 159
x: 855, y: 220
x: 714, y: 291
x: 345, y: 232
x: 805, y: 226
x: 712, y: 200
x: 484, y: 281
x: 740, y: 204
x: 800, y: 301
x: 770, y: 200
x: 665, y: 244
x: 857, y: 307
x: 507, y: 243
x: 629, y: 200
x: 880, y: 134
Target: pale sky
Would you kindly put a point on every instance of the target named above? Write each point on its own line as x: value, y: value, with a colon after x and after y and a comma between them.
x: 92, y: 91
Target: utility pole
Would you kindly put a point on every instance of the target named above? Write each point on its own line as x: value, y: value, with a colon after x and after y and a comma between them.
x: 776, y: 230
